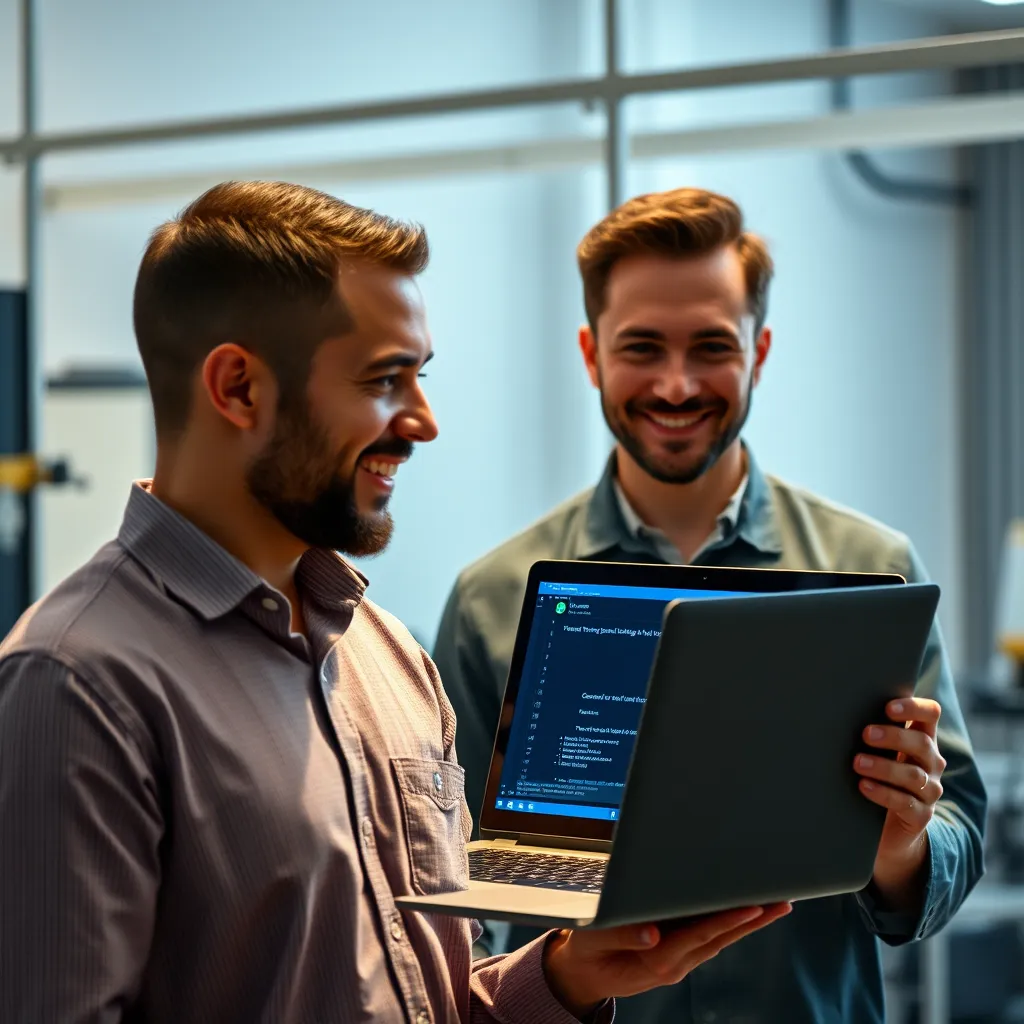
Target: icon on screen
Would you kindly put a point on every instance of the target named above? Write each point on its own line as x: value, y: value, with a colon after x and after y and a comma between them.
x: 560, y: 607
x: 529, y: 807
x: 499, y: 803
x: 520, y: 807
x: 613, y: 814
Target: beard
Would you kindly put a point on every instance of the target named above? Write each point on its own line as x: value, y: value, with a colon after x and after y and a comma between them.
x: 680, y: 465
x: 302, y: 483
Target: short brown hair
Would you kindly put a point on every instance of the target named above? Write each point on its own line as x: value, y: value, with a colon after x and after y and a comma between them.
x: 683, y: 222
x: 254, y: 262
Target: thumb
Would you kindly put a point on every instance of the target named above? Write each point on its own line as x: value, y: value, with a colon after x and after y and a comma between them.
x: 603, y: 940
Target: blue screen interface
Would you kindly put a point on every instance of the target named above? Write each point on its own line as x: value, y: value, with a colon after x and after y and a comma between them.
x: 583, y: 687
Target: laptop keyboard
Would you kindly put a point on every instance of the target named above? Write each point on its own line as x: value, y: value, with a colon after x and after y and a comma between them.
x: 545, y: 871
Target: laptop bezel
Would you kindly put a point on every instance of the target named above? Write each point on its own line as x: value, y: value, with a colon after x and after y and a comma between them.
x: 499, y: 823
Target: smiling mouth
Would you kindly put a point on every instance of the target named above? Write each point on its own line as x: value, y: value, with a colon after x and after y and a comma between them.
x: 677, y: 422
x: 380, y: 468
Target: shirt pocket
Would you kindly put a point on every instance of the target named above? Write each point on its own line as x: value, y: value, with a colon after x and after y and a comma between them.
x: 433, y: 793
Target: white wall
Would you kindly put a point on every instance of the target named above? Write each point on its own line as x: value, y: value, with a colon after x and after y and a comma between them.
x: 858, y: 401
x: 107, y: 437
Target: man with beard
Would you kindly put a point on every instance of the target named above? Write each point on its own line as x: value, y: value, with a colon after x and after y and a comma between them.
x: 219, y: 763
x: 675, y: 292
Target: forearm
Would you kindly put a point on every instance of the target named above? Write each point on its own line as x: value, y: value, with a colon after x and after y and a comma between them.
x: 513, y: 989
x: 901, y: 887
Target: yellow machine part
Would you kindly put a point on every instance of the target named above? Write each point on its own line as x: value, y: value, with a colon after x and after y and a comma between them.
x: 20, y: 473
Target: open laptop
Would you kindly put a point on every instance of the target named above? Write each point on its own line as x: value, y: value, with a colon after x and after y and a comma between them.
x: 741, y: 789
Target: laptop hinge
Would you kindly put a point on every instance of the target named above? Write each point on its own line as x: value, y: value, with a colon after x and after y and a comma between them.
x: 558, y: 842
x: 566, y: 843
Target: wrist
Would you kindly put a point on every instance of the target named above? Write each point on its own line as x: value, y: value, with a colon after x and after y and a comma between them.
x: 563, y: 978
x: 900, y: 881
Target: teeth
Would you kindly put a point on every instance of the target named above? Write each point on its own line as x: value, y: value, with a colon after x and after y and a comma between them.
x: 388, y: 469
x: 675, y: 422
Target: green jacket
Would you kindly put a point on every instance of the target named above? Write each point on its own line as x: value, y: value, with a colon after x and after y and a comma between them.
x: 822, y: 962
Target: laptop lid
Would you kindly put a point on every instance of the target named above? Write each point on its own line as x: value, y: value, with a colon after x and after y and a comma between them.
x: 756, y: 710
x: 577, y: 683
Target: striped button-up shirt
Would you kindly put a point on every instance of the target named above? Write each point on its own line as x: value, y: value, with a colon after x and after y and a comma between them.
x: 205, y: 817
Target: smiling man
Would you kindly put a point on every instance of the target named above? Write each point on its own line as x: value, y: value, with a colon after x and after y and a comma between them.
x: 219, y: 763
x: 676, y: 295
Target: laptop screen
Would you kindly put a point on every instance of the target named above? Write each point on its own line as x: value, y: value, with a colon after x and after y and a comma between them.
x: 577, y: 683
x: 580, y: 696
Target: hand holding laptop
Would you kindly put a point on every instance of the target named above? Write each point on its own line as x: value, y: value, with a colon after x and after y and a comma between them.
x: 908, y: 786
x: 584, y: 968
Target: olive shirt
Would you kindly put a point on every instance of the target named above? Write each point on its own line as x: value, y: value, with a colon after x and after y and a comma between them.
x: 822, y: 962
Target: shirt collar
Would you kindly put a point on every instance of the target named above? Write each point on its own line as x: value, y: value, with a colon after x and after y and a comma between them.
x: 204, y: 576
x: 605, y: 524
x: 727, y: 518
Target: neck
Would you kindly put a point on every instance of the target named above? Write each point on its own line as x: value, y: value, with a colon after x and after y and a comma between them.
x: 685, y: 513
x: 214, y: 498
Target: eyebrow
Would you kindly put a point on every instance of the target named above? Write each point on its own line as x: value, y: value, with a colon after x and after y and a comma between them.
x: 652, y: 334
x: 397, y: 361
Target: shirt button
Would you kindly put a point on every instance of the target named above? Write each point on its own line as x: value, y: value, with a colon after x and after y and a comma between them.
x: 396, y: 929
x: 423, y: 1017
x: 438, y: 782
x: 270, y: 604
x: 367, y: 831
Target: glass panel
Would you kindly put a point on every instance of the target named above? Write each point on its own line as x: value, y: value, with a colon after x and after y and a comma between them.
x: 659, y: 35
x: 12, y: 257
x: 122, y: 62
x: 858, y: 400
x: 520, y: 429
x: 10, y: 69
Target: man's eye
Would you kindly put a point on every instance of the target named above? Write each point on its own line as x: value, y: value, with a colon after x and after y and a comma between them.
x: 422, y: 376
x: 388, y: 382
x: 641, y: 348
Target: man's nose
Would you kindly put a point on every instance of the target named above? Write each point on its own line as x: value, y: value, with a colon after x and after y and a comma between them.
x: 676, y: 386
x: 417, y: 423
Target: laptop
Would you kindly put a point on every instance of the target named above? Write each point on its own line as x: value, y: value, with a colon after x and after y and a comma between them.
x: 678, y: 740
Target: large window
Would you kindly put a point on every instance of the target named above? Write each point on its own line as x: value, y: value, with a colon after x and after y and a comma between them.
x: 860, y: 399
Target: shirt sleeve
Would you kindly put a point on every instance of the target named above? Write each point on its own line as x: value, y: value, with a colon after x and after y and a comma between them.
x: 79, y: 833
x: 513, y: 989
x: 475, y: 695
x: 956, y: 832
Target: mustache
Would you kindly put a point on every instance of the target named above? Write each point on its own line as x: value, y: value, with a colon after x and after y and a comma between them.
x: 688, y: 408
x: 398, y: 447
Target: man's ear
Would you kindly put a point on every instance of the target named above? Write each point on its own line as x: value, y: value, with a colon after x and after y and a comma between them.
x: 239, y: 386
x: 762, y: 347
x: 588, y: 347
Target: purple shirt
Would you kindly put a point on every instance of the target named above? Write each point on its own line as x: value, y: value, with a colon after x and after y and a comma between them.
x: 205, y: 817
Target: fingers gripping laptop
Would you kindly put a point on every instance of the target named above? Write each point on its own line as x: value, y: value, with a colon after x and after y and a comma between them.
x: 731, y: 677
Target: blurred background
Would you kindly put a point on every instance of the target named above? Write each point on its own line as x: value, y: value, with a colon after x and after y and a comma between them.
x: 876, y: 144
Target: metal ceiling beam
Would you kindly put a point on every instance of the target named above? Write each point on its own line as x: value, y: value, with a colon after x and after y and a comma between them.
x: 944, y: 52
x: 616, y: 148
x: 963, y: 120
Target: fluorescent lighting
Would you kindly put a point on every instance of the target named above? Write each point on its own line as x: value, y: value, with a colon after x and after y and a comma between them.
x: 1003, y: 3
